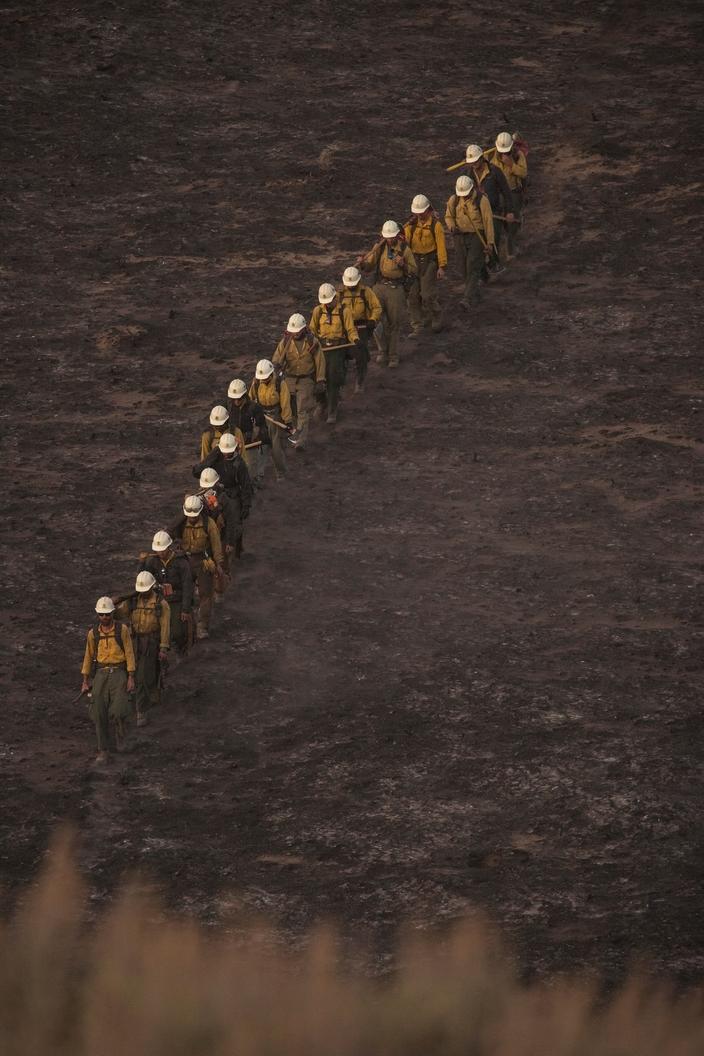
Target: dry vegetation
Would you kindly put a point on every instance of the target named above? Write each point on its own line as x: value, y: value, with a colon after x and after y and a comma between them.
x: 136, y: 982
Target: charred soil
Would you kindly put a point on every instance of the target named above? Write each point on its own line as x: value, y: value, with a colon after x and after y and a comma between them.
x: 460, y: 663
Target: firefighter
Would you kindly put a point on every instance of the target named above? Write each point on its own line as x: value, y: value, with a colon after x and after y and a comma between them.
x: 512, y: 163
x: 108, y: 674
x: 219, y: 424
x: 394, y: 270
x: 247, y: 418
x: 172, y: 573
x: 426, y: 239
x: 333, y: 325
x: 469, y: 218
x: 200, y: 541
x: 149, y: 617
x: 226, y: 513
x: 273, y: 395
x: 365, y: 309
x: 299, y: 356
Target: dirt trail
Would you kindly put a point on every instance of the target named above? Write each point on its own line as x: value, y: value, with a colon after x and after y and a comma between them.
x: 461, y: 664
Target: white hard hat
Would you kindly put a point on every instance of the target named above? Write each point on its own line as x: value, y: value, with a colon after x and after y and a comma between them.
x: 161, y: 541
x: 104, y: 606
x: 464, y: 186
x: 265, y: 368
x: 237, y: 389
x: 504, y: 142
x: 209, y: 478
x: 326, y: 293
x: 193, y: 504
x: 144, y: 582
x: 351, y: 276
x: 474, y: 153
x: 296, y: 323
x: 227, y: 445
x: 219, y: 415
x: 390, y: 229
x: 419, y: 204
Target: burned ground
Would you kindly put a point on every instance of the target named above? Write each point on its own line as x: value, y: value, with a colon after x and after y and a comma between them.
x: 460, y: 666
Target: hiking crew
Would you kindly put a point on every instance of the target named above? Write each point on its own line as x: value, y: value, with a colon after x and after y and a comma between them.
x: 273, y: 395
x: 333, y: 325
x: 394, y: 269
x: 512, y: 163
x: 149, y: 618
x: 246, y: 417
x: 200, y: 541
x: 365, y: 309
x: 108, y: 675
x: 189, y: 565
x: 299, y: 356
x: 426, y: 239
x: 172, y: 573
x: 469, y: 218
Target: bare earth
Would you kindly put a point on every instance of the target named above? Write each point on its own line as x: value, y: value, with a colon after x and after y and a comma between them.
x: 460, y: 666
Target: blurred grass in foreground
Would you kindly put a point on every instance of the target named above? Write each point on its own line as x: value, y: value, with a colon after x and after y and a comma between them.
x: 138, y: 983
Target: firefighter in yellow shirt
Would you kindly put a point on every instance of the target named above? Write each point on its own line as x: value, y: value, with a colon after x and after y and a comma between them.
x: 512, y: 163
x: 333, y: 325
x: 149, y: 617
x: 274, y: 397
x: 469, y: 218
x: 219, y: 425
x: 365, y: 309
x: 299, y: 355
x: 108, y: 674
x: 426, y: 240
x: 394, y: 269
x: 200, y: 541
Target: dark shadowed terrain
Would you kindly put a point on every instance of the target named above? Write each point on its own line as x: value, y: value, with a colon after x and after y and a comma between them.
x: 461, y: 666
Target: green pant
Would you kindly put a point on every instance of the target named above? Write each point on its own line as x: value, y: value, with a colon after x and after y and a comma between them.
x: 146, y: 676
x: 179, y: 629
x: 423, y: 301
x: 108, y: 702
x: 335, y: 373
x: 361, y: 352
x: 393, y: 303
x: 304, y: 391
x: 470, y: 253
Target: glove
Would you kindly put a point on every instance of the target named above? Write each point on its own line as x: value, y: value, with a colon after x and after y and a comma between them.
x: 245, y: 514
x: 320, y: 388
x: 370, y: 326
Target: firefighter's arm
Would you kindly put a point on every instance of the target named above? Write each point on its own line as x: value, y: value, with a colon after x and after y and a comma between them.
x: 88, y: 656
x: 215, y: 542
x: 450, y: 215
x: 488, y: 219
x: 319, y: 360
x: 314, y: 324
x: 285, y: 400
x: 128, y: 648
x: 348, y: 321
x: 165, y: 626
x: 440, y: 245
x: 410, y: 260
x: 374, y: 309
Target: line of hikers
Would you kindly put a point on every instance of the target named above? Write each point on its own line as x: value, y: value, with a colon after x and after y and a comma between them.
x: 191, y: 563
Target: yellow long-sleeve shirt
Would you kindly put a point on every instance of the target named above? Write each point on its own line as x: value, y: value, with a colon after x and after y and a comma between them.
x: 513, y: 165
x: 333, y: 322
x: 273, y: 397
x: 471, y: 217
x: 110, y: 651
x: 300, y: 358
x: 363, y: 303
x: 383, y: 258
x: 149, y: 615
x: 426, y: 235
